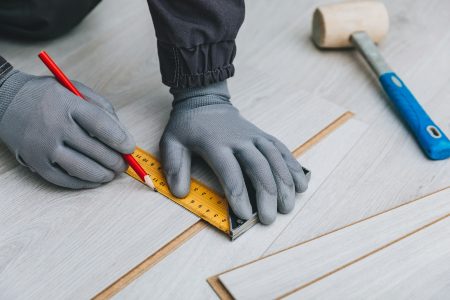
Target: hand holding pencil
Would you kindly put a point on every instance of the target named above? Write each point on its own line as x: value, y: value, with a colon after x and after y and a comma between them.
x: 62, y: 78
x: 67, y: 141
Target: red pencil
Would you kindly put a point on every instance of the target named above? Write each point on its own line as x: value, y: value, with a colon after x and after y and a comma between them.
x: 62, y: 78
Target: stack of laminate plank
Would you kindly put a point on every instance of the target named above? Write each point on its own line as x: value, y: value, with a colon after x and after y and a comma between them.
x: 403, y: 253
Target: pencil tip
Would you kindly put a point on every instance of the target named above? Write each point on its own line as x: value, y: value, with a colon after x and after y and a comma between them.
x: 149, y: 182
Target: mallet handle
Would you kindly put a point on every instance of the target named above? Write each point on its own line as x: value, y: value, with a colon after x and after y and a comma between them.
x: 369, y: 50
x: 430, y: 137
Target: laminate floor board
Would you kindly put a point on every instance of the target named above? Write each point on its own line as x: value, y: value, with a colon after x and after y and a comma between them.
x: 182, y: 275
x: 324, y: 258
x: 385, y: 169
x: 415, y: 47
x: 81, y: 241
x: 70, y: 244
x: 416, y: 267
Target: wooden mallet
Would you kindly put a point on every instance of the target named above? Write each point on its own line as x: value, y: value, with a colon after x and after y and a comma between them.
x: 360, y: 24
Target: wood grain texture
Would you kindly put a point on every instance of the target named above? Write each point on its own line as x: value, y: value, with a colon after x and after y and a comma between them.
x: 308, y: 263
x: 82, y: 241
x: 205, y: 254
x: 414, y: 267
x: 152, y: 260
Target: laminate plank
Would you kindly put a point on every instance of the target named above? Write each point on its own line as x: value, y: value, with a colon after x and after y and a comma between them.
x: 416, y: 267
x: 68, y: 244
x: 310, y: 262
x: 205, y: 254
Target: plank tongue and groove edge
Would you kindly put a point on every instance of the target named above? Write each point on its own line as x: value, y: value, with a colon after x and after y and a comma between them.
x: 299, y: 266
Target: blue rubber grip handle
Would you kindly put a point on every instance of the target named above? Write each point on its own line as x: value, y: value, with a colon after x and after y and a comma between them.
x: 431, y: 138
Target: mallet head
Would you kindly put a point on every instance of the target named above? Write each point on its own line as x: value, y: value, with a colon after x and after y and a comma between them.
x: 334, y: 24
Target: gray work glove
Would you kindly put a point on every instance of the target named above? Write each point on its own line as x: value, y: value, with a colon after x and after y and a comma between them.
x: 68, y: 141
x: 205, y: 123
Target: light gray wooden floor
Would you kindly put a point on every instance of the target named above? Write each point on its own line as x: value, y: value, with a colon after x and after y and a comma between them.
x: 292, y: 271
x: 56, y: 243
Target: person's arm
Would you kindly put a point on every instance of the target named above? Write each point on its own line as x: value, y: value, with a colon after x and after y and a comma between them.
x: 196, y: 49
x: 42, y: 19
x: 196, y: 39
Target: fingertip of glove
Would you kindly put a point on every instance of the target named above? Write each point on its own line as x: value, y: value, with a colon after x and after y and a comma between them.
x: 108, y: 177
x: 267, y: 207
x: 128, y: 145
x: 301, y: 187
x: 267, y: 217
x: 241, y: 207
x: 244, y: 215
x: 287, y: 206
x: 178, y: 187
x: 301, y: 182
x: 121, y: 167
x: 286, y: 197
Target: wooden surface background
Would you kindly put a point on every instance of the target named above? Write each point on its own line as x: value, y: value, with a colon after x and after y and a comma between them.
x: 56, y: 243
x: 302, y: 268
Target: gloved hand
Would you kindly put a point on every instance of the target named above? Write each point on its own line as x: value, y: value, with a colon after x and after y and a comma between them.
x: 68, y: 141
x: 204, y: 122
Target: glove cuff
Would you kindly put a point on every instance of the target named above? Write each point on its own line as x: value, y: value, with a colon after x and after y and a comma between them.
x: 193, y: 97
x: 10, y: 84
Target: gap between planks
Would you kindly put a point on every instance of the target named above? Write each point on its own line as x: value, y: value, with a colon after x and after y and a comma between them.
x: 223, y: 293
x: 178, y: 241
